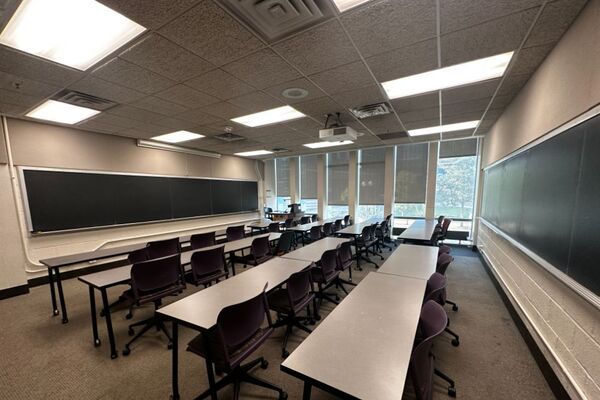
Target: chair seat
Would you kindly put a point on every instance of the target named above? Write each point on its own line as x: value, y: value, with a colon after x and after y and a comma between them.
x: 157, y: 295
x: 279, y: 302
x: 318, y: 277
x: 237, y: 355
x: 207, y: 278
x: 444, y: 249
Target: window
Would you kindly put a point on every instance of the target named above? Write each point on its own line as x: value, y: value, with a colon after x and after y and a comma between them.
x: 371, y: 172
x: 411, y: 183
x: 282, y: 183
x: 337, y: 185
x: 308, y: 184
x: 455, y: 182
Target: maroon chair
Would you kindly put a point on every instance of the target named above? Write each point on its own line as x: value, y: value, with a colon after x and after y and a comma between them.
x: 163, y: 248
x: 362, y: 244
x: 445, y: 226
x: 151, y: 281
x: 238, y: 333
x: 288, y: 303
x: 325, y: 275
x: 235, y: 232
x: 444, y: 249
x: 345, y: 259
x: 314, y: 218
x: 347, y: 221
x: 208, y: 266
x: 201, y: 240
x: 421, y: 369
x: 284, y: 244
x: 274, y: 227
x: 305, y: 220
x: 289, y: 223
x: 260, y: 251
x: 314, y: 234
x: 337, y: 225
x: 443, y: 262
x: 328, y: 229
x: 436, y: 291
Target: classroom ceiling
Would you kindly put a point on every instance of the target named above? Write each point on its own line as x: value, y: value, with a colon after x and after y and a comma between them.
x: 201, y: 63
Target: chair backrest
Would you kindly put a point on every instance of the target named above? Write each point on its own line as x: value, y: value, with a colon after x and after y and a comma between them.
x: 164, y: 248
x: 337, y: 225
x: 329, y: 262
x: 345, y: 255
x: 305, y: 220
x: 443, y: 262
x: 314, y: 218
x: 432, y: 322
x: 206, y: 262
x: 315, y: 233
x: 238, y: 323
x: 377, y: 233
x: 366, y: 233
x: 346, y: 220
x: 299, y: 285
x: 274, y: 227
x: 445, y: 226
x: 138, y: 256
x: 433, y: 241
x: 200, y: 240
x: 440, y: 219
x: 235, y: 233
x: 155, y: 276
x: 284, y: 244
x: 289, y: 222
x: 328, y: 229
x: 260, y: 246
x: 267, y: 210
x: 436, y: 288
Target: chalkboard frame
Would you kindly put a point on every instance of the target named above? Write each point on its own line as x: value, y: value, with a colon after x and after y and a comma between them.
x: 25, y: 200
x: 570, y: 282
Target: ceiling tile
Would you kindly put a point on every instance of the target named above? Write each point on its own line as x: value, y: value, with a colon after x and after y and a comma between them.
x: 198, y: 117
x: 224, y: 110
x: 318, y: 49
x: 20, y: 64
x: 115, y: 121
x: 26, y: 86
x: 360, y: 97
x: 458, y: 134
x: 391, y: 24
x: 429, y: 100
x: 555, y: 19
x: 166, y: 58
x: 106, y: 90
x: 136, y: 114
x: 460, y: 14
x: 187, y: 97
x: 410, y: 60
x: 210, y: 32
x: 132, y: 76
x: 302, y: 83
x: 150, y: 14
x: 462, y: 117
x: 176, y: 124
x: 220, y: 84
x: 343, y: 78
x: 305, y: 125
x: 158, y: 105
x: 529, y: 59
x: 98, y: 126
x: 501, y: 102
x: 410, y: 125
x: 466, y: 107
x: 383, y: 124
x: 513, y: 83
x: 261, y: 69
x: 318, y: 107
x: 470, y: 92
x: 487, y: 39
x: 145, y: 131
x: 423, y: 114
x: 256, y: 101
x: 19, y: 99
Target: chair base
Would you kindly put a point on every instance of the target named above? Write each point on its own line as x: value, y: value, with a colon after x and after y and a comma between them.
x: 451, y: 387
x: 290, y: 322
x: 148, y: 324
x: 237, y: 376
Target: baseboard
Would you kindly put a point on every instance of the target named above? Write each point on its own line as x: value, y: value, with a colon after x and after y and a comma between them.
x: 14, y: 291
x: 552, y: 379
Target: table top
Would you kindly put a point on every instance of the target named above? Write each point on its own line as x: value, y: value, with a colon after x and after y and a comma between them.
x: 412, y: 261
x: 313, y: 251
x: 369, y: 335
x: 200, y: 310
x: 420, y: 229
x: 306, y: 227
x: 356, y: 229
x: 263, y: 223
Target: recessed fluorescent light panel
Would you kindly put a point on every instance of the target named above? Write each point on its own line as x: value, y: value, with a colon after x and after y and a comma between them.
x: 64, y: 113
x: 320, y: 145
x: 448, y: 77
x: 344, y: 5
x: 273, y: 116
x: 254, y: 153
x: 77, y: 33
x: 177, y: 137
x: 443, y: 128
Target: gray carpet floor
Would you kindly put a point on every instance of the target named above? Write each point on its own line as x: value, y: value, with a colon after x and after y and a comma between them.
x: 42, y: 359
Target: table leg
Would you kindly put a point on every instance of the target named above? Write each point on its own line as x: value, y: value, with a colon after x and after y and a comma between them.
x: 306, y: 391
x: 52, y: 291
x: 109, y: 328
x: 61, y: 296
x: 94, y: 317
x: 232, y: 261
x: 175, y: 361
x: 358, y: 267
x: 209, y: 368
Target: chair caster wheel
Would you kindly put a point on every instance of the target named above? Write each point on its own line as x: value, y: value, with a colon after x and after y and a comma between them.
x: 455, y: 342
x: 318, y: 317
x: 55, y: 312
x: 283, y: 396
x: 452, y: 392
x: 130, y: 332
x: 170, y: 346
x: 96, y: 342
x: 128, y: 316
x: 285, y: 354
x: 126, y: 351
x: 102, y: 313
x: 311, y: 322
x: 455, y: 308
x: 264, y: 364
x: 337, y: 298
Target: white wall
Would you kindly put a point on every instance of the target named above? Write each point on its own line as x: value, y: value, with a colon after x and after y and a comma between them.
x: 566, y: 327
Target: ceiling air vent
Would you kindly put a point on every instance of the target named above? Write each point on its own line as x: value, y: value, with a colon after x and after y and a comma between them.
x: 229, y: 137
x: 371, y: 110
x: 84, y: 100
x: 275, y: 19
x: 393, y: 135
x: 280, y: 150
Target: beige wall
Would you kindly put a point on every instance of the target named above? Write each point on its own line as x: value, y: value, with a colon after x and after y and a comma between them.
x: 41, y: 145
x: 566, y: 327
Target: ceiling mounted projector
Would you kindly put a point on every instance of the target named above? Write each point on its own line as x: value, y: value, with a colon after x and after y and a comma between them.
x: 335, y: 131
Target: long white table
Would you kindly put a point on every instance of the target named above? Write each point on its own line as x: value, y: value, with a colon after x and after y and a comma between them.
x: 199, y: 311
x: 412, y: 261
x: 362, y: 349
x: 420, y: 230
x: 315, y: 250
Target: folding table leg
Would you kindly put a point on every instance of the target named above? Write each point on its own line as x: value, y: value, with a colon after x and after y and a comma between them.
x: 109, y: 328
x: 52, y: 291
x: 306, y: 391
x: 175, y: 361
x: 94, y: 317
x: 61, y: 296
